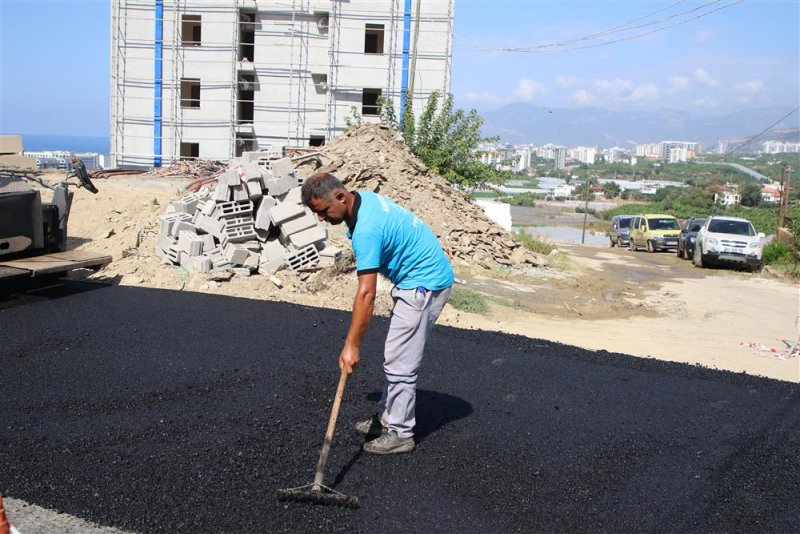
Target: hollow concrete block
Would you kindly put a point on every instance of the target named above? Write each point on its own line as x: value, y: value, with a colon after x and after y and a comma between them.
x: 308, y: 237
x: 285, y: 211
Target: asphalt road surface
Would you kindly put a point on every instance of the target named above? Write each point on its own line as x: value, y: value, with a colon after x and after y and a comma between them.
x: 164, y: 411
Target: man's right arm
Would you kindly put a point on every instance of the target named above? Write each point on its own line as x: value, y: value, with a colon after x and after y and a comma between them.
x: 363, y: 306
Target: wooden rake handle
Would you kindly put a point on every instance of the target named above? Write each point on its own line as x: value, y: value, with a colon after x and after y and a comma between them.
x: 326, y: 446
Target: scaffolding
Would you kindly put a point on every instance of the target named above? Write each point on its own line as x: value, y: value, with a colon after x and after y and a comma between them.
x: 305, y: 54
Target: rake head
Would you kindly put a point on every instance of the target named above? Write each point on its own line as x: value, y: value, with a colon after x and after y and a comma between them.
x: 317, y: 495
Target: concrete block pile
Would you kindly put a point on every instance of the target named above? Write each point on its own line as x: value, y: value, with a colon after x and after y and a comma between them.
x: 252, y: 221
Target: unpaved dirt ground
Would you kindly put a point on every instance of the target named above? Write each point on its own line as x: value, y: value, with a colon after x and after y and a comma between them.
x: 649, y: 305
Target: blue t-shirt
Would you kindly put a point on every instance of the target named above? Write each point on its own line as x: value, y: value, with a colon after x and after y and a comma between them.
x: 391, y: 240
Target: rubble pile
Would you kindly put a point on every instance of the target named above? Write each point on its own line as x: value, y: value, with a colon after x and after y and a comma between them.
x: 190, y: 169
x: 251, y: 221
x: 375, y: 158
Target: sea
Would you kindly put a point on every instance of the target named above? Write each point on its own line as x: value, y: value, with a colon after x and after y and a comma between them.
x: 101, y: 145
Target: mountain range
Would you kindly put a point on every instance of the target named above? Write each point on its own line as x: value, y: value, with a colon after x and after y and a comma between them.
x: 521, y: 123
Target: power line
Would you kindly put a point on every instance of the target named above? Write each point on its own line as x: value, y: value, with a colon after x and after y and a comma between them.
x: 759, y: 134
x: 614, y: 29
x: 550, y: 47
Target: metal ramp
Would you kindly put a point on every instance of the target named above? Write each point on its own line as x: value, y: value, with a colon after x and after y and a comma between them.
x: 48, y: 264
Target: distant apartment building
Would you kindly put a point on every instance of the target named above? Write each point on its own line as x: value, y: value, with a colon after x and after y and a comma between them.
x: 557, y: 153
x: 669, y: 151
x: 615, y: 154
x: 215, y: 78
x: 560, y: 158
x: 779, y: 147
x: 721, y: 147
x: 649, y: 151
x: 584, y: 154
x: 60, y: 159
x: 522, y: 158
x: 678, y: 151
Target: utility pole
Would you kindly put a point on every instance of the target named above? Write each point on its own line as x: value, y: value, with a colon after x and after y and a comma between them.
x: 414, y: 57
x: 779, y: 222
x: 586, y: 208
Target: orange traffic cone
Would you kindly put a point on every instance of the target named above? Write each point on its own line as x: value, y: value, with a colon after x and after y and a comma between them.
x: 5, y: 526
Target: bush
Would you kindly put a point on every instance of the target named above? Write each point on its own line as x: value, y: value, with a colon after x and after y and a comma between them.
x: 525, y: 199
x: 536, y: 245
x: 777, y: 253
x: 467, y: 300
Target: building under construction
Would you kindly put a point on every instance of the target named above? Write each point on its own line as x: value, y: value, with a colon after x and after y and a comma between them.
x: 210, y: 80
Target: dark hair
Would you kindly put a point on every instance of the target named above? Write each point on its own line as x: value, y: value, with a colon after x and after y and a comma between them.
x: 320, y: 186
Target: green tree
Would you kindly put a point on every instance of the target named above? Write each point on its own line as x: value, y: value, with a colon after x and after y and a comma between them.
x: 446, y: 140
x: 750, y: 195
x: 611, y: 189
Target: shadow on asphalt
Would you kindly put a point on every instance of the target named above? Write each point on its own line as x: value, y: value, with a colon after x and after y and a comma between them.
x: 434, y: 411
x: 165, y: 411
x: 30, y: 291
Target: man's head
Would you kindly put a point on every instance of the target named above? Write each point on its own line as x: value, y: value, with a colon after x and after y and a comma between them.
x: 325, y: 195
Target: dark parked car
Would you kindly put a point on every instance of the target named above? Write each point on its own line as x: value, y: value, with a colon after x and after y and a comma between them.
x: 620, y: 232
x: 687, y: 238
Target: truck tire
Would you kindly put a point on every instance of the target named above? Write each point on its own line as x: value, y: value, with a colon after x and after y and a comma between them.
x: 650, y: 247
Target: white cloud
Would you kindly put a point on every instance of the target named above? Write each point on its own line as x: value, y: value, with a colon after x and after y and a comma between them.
x: 615, y: 88
x: 750, y: 87
x: 679, y: 83
x: 582, y: 97
x: 705, y: 102
x: 704, y: 77
x: 482, y: 97
x: 527, y: 89
x: 567, y: 81
x: 646, y: 91
x: 602, y: 90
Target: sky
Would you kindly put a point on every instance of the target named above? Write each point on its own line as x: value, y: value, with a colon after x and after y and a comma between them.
x: 54, y: 58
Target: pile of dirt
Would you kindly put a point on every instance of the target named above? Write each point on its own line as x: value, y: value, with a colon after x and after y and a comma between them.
x: 375, y: 158
x: 122, y: 220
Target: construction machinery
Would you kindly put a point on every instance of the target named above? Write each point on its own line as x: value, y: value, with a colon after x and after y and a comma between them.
x: 33, y: 234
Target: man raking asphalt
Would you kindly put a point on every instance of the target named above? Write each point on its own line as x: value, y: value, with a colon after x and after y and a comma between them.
x: 391, y: 241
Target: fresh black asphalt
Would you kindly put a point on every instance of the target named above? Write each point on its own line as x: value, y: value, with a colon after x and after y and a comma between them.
x: 164, y: 411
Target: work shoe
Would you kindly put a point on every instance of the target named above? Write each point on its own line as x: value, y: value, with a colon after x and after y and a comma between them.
x: 389, y: 443
x: 371, y: 428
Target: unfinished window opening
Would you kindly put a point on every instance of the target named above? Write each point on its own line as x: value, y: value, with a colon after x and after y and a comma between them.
x: 191, y: 30
x: 245, y: 104
x: 190, y: 150
x: 320, y: 81
x: 247, y: 36
x: 373, y: 39
x: 190, y: 92
x: 245, y: 143
x: 369, y: 102
x: 316, y: 140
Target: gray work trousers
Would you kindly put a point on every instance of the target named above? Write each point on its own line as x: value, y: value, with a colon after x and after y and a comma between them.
x: 412, y: 319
